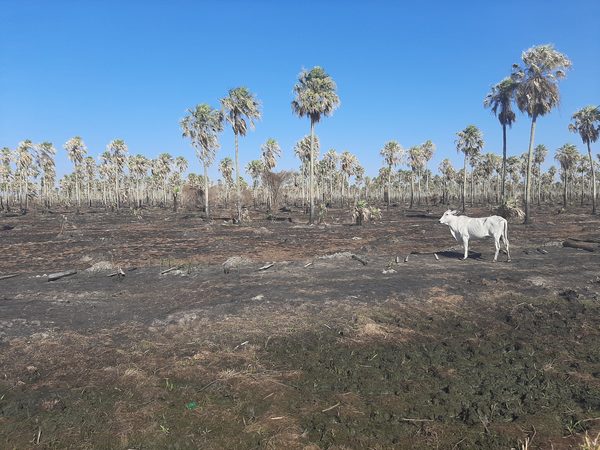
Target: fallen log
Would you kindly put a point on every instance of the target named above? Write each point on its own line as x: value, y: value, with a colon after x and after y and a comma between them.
x: 59, y: 275
x: 6, y: 277
x: 359, y: 259
x: 580, y: 245
x: 589, y: 239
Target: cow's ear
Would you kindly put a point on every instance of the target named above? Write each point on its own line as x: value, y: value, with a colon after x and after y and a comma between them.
x: 454, y: 212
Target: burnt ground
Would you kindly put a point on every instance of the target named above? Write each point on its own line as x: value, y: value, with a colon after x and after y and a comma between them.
x: 444, y: 353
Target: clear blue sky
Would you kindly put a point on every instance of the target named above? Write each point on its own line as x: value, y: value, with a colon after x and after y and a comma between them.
x: 130, y: 69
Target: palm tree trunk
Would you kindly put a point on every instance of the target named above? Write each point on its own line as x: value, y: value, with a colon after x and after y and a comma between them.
x: 237, y: 180
x: 593, y: 178
x: 528, y: 180
x: 412, y: 189
x: 206, y: 210
x: 464, y: 186
x: 389, y: 189
x: 77, y: 189
x: 503, y: 162
x: 565, y: 178
x: 311, y: 188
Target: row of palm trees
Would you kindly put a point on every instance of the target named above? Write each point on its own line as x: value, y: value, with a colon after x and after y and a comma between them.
x: 532, y: 87
x: 338, y: 178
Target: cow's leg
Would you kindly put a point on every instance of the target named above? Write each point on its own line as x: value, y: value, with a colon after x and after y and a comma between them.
x: 466, y: 245
x: 497, y: 243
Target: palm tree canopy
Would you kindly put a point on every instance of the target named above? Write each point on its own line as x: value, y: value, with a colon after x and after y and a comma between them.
x: 239, y: 105
x: 539, y: 153
x: 348, y: 163
x: 226, y: 169
x: 567, y: 156
x: 270, y: 151
x: 76, y: 149
x: 302, y: 148
x: 202, y: 126
x: 537, y: 91
x: 118, y: 150
x: 500, y: 99
x: 315, y: 95
x: 392, y: 153
x: 470, y: 141
x: 586, y: 122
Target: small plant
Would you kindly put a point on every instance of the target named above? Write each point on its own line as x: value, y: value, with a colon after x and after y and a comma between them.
x: 589, y: 443
x: 363, y: 213
x: 510, y: 210
x: 169, y: 385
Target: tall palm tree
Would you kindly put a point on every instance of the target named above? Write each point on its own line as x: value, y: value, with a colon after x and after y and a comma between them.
x: 226, y: 169
x: 24, y: 162
x: 331, y: 160
x: 392, y: 154
x: 164, y: 163
x: 448, y: 172
x: 586, y: 122
x: 537, y: 94
x: 118, y: 154
x: 539, y: 155
x: 89, y: 166
x: 415, y: 160
x: 202, y: 126
x: 181, y: 163
x: 76, y: 150
x: 5, y: 177
x: 315, y: 97
x: 567, y: 156
x: 45, y: 157
x: 470, y: 143
x: 240, y: 105
x: 427, y: 150
x: 348, y: 163
x: 500, y: 99
x: 270, y: 151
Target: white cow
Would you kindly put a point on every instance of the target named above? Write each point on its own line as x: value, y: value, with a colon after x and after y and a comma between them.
x: 464, y: 228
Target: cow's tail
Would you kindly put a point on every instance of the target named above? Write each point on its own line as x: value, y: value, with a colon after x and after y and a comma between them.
x: 505, y: 232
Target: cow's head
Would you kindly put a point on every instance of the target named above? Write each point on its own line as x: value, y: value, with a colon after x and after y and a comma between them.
x: 447, y: 215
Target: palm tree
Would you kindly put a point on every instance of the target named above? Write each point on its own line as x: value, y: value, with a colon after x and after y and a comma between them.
x: 537, y: 93
x: 89, y: 166
x: 138, y: 167
x: 76, y: 150
x: 226, y: 169
x: 539, y: 155
x: 118, y: 155
x: 348, y: 163
x: 586, y: 122
x: 331, y: 160
x: 448, y: 172
x: 181, y: 163
x: 470, y: 143
x: 270, y: 151
x: 500, y: 100
x: 415, y: 160
x: 164, y: 163
x: 202, y: 126
x: 392, y: 154
x: 240, y: 105
x: 427, y: 150
x: 567, y: 156
x: 315, y: 97
x: 5, y: 177
x: 303, y: 149
x: 45, y: 157
x: 255, y: 169
x: 24, y: 161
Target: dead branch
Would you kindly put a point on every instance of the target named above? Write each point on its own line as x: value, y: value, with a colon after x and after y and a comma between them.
x: 588, y: 239
x: 331, y: 407
x: 268, y: 266
x: 59, y: 275
x: 171, y: 269
x: 359, y: 259
x: 6, y: 277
